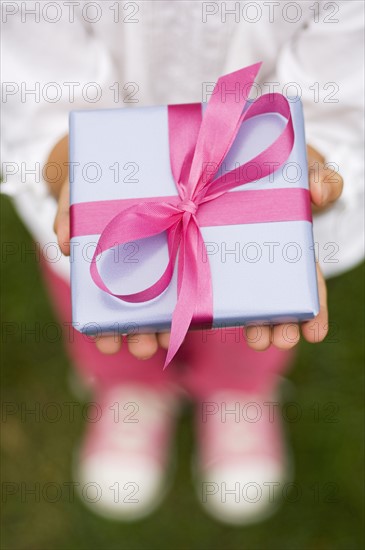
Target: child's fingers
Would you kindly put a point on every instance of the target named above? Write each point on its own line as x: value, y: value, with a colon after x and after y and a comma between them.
x: 62, y: 220
x: 258, y: 337
x: 142, y: 346
x: 163, y: 339
x: 325, y: 185
x: 108, y: 344
x: 332, y: 185
x: 316, y: 329
x: 285, y: 336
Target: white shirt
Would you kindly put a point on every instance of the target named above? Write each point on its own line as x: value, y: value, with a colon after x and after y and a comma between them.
x: 60, y: 56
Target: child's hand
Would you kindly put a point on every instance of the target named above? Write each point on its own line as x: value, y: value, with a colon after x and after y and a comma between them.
x: 141, y: 346
x: 325, y: 188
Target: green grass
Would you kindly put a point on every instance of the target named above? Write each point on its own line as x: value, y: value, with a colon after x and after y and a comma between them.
x: 326, y: 382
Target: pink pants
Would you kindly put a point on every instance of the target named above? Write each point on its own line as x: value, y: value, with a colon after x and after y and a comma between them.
x: 207, y: 362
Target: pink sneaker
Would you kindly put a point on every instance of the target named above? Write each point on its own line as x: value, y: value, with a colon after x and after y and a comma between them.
x: 125, y: 460
x: 242, y: 463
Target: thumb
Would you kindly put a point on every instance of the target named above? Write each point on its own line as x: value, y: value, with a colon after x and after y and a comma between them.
x: 62, y: 220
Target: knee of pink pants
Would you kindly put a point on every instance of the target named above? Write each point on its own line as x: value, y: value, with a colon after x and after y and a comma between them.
x: 220, y: 359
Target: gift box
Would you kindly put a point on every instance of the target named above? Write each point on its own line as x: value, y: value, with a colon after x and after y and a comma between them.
x: 192, y: 215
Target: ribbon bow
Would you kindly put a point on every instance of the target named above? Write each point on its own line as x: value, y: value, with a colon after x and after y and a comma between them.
x: 198, y: 146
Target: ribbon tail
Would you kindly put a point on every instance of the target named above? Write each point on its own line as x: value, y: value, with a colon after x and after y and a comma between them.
x: 203, y: 315
x: 187, y: 290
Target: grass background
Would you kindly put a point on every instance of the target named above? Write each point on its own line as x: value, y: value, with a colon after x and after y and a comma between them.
x: 326, y: 382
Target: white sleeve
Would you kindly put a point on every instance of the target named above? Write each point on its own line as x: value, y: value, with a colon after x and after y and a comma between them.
x: 47, y: 71
x: 326, y: 60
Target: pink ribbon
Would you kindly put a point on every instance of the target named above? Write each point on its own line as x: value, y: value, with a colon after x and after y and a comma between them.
x: 198, y: 146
